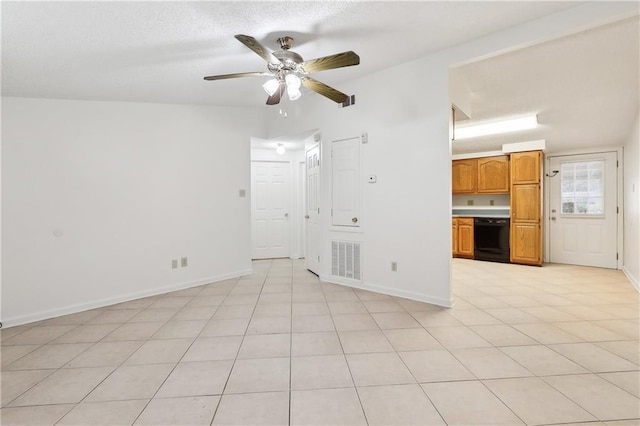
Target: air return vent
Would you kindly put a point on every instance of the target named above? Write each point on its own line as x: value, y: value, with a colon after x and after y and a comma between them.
x: 345, y: 260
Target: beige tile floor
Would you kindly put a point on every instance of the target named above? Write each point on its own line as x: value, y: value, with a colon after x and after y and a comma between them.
x: 523, y: 345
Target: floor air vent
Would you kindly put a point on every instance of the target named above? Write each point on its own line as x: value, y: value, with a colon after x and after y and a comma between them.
x: 345, y: 260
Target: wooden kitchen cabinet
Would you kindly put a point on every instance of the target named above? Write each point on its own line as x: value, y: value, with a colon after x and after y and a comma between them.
x: 525, y: 167
x: 526, y: 208
x: 487, y: 175
x: 465, y: 237
x: 464, y: 176
x: 454, y: 236
x: 525, y: 203
x: 493, y: 175
x: 526, y: 243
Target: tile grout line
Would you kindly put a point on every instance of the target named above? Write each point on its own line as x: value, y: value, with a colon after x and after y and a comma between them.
x: 183, y: 354
x: 215, y: 412
x: 290, y: 393
x: 126, y: 359
x: 344, y: 355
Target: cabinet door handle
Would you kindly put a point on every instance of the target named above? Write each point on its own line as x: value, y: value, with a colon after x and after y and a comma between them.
x: 354, y: 219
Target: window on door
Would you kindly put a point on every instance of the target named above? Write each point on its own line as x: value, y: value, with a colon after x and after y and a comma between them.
x: 582, y: 188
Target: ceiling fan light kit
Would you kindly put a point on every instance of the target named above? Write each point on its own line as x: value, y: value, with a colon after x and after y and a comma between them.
x: 289, y: 71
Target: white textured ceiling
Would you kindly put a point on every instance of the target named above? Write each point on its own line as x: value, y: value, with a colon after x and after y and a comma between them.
x: 160, y: 51
x: 584, y: 88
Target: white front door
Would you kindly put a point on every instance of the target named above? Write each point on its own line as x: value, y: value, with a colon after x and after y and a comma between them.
x: 312, y: 211
x: 270, y: 206
x: 583, y: 209
x: 346, y: 182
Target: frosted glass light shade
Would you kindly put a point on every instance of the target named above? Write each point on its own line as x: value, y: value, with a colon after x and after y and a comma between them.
x: 280, y: 149
x: 292, y: 81
x: 293, y: 93
x: 271, y: 86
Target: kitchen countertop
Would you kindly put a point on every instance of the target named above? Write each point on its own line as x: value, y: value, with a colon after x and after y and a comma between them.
x: 483, y: 214
x: 502, y: 212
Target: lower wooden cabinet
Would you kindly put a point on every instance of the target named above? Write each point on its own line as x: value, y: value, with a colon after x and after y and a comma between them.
x: 462, y: 238
x: 454, y: 236
x: 526, y: 243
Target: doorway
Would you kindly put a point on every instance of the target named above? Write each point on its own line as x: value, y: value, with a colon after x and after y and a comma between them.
x: 583, y: 209
x: 280, y: 197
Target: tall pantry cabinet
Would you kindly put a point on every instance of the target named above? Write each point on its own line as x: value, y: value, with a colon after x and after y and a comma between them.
x: 526, y: 207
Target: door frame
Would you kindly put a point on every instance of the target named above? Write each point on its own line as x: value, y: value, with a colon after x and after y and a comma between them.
x: 619, y: 196
x: 317, y: 143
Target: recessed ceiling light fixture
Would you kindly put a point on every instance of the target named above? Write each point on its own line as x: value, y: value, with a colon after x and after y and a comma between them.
x: 487, y: 128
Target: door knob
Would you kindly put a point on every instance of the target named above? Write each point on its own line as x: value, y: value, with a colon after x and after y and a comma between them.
x: 306, y: 216
x: 354, y: 219
x: 553, y: 218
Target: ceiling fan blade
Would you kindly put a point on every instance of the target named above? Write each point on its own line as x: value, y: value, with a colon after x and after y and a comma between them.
x: 339, y: 60
x: 236, y: 75
x: 275, y: 98
x: 253, y: 44
x: 324, y: 90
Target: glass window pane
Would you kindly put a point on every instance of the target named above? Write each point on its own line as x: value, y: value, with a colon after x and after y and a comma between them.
x: 567, y: 206
x: 582, y: 184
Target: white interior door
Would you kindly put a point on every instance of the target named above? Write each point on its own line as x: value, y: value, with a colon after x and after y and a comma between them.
x: 583, y: 225
x: 270, y: 205
x: 312, y: 214
x: 346, y: 188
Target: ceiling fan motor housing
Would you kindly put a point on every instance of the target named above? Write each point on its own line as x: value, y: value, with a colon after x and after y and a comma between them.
x: 289, y: 61
x: 285, y: 42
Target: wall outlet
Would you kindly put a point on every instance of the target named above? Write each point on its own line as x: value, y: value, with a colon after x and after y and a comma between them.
x: 394, y: 266
x: 492, y: 203
x: 174, y: 264
x: 469, y: 202
x: 184, y: 262
x: 242, y: 193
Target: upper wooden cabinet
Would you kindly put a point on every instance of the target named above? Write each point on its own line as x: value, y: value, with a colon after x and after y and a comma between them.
x: 464, y: 176
x: 493, y: 175
x: 489, y: 175
x: 525, y: 167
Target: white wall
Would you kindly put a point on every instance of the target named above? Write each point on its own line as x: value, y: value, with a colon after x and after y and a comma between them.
x: 401, y: 212
x: 98, y: 197
x: 406, y: 110
x: 631, y: 260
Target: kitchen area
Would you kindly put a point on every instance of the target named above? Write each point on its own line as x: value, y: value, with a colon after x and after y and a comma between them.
x: 497, y: 207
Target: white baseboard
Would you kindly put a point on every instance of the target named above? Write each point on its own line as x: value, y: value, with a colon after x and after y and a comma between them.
x: 632, y: 279
x: 390, y: 291
x: 80, y: 307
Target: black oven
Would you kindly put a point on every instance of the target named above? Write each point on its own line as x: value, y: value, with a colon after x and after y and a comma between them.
x: 491, y: 239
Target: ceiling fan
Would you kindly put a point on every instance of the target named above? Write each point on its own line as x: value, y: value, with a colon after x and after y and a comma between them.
x: 290, y: 71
